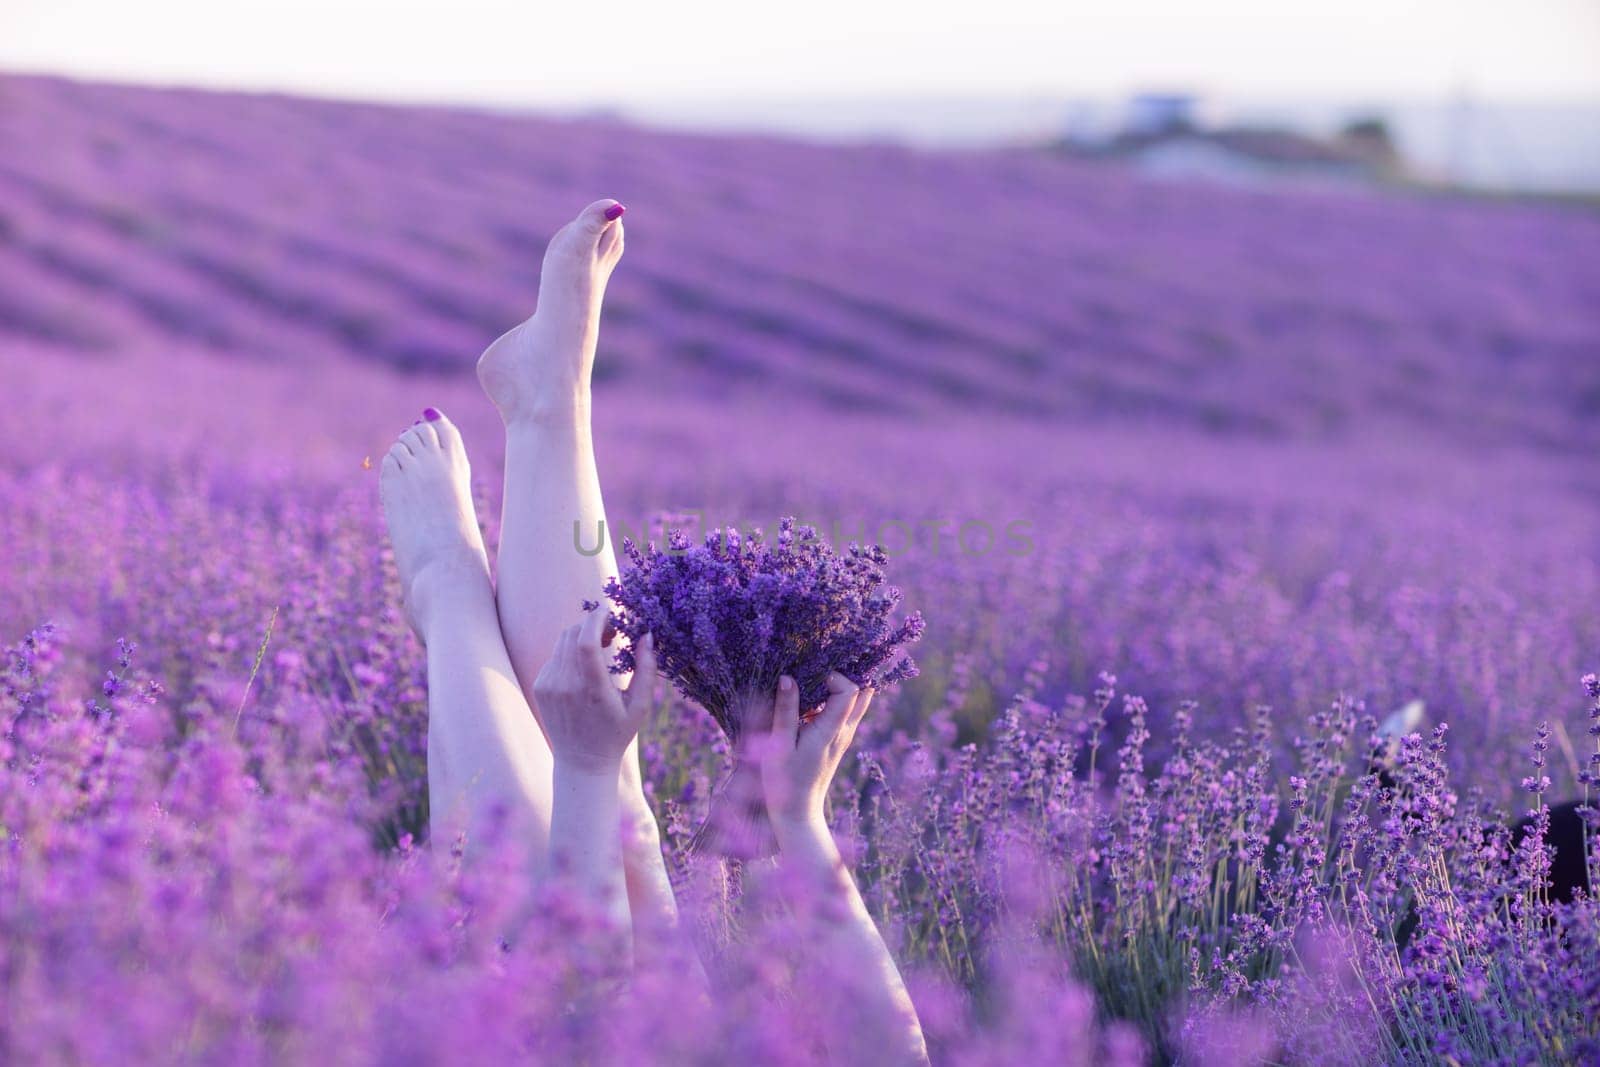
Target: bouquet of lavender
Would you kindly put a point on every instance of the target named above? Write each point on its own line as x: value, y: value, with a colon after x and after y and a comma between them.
x: 734, y: 613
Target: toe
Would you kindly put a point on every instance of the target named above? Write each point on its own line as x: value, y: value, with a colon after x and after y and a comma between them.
x: 449, y: 437
x: 420, y: 439
x: 600, y: 215
x: 397, y: 455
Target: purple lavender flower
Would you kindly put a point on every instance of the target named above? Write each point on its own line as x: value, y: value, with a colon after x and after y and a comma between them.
x: 733, y: 614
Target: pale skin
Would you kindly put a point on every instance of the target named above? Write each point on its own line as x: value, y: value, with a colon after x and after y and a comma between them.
x: 798, y: 762
x: 591, y: 727
x: 538, y: 377
x: 480, y: 763
x: 496, y: 758
x: 526, y: 725
x: 558, y: 798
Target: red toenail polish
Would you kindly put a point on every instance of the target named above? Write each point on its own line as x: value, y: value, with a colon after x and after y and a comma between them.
x: 614, y: 212
x: 431, y: 414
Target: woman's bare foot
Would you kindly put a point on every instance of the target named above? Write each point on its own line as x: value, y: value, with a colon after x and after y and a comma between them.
x: 544, y: 364
x: 426, y: 486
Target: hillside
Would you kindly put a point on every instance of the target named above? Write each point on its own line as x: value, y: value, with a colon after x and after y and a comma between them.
x: 297, y: 231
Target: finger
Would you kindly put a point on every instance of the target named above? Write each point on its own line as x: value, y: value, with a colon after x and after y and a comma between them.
x: 786, y: 714
x: 592, y: 629
x: 586, y: 643
x: 552, y: 666
x: 565, y: 645
x: 858, y: 710
x: 852, y: 721
x: 644, y: 670
x: 841, y: 697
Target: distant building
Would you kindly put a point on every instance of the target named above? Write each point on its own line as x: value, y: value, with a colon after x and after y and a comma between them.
x: 1158, y: 114
x: 1162, y: 137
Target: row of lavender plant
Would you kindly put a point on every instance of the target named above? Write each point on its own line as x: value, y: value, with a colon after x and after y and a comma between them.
x: 190, y: 883
x: 300, y: 231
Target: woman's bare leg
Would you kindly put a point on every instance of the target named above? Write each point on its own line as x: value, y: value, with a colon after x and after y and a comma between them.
x: 538, y: 376
x: 486, y: 757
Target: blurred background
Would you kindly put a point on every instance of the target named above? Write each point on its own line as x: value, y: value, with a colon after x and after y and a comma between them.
x: 1472, y: 93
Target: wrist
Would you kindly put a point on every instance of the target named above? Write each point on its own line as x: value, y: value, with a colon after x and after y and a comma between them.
x: 587, y: 772
x: 807, y: 831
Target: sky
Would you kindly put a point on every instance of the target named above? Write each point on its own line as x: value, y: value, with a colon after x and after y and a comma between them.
x: 534, y: 52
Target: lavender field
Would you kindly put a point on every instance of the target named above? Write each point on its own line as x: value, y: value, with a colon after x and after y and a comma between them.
x: 1191, y: 485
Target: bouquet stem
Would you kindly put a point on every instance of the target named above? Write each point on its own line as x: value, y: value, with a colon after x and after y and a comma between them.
x: 737, y: 825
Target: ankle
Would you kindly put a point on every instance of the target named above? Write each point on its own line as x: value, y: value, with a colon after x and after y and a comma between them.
x: 447, y: 586
x: 557, y: 410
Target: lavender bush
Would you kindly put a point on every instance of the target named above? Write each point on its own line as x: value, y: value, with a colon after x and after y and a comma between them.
x: 1269, y: 454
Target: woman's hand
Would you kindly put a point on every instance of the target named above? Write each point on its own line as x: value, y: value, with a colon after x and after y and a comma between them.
x: 588, y: 721
x: 589, y: 724
x: 798, y: 760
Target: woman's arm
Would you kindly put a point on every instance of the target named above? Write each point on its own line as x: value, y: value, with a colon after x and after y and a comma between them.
x: 797, y: 766
x: 590, y: 726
